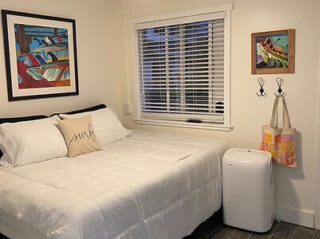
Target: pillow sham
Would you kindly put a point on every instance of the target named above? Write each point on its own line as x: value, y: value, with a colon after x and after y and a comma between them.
x: 19, y: 119
x: 106, y: 124
x: 31, y: 141
x: 79, y: 135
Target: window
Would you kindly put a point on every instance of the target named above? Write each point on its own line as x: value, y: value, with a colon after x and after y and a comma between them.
x: 182, y: 70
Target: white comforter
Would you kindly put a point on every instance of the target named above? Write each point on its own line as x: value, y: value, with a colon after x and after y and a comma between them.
x: 147, y: 186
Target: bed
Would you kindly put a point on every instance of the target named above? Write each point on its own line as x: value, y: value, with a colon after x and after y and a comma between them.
x: 147, y: 185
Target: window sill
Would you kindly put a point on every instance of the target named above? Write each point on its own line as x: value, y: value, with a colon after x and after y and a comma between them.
x: 170, y: 123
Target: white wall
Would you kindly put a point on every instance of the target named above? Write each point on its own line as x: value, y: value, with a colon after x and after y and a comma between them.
x: 295, y: 194
x: 100, y: 53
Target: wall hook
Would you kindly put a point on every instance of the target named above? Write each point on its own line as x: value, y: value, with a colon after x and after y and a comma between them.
x: 280, y: 83
x: 261, y: 91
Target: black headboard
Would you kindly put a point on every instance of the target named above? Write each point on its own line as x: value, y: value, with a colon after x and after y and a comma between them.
x: 93, y: 108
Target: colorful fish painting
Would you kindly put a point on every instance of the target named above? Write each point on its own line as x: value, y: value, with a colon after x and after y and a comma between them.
x: 42, y: 56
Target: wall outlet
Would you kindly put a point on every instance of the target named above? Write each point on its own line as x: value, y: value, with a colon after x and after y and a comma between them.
x: 128, y: 109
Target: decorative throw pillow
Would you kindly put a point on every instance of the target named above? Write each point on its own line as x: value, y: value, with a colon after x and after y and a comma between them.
x: 108, y: 127
x: 79, y: 135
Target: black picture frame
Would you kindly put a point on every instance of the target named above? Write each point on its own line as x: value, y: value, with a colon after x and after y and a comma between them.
x: 66, y: 71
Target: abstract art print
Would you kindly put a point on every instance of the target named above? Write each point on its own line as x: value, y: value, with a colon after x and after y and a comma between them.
x: 272, y: 52
x: 41, y: 56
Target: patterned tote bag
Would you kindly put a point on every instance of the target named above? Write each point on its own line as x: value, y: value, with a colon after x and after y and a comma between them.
x: 279, y: 141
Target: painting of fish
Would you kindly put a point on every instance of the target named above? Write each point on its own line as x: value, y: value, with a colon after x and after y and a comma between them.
x: 40, y: 58
x: 273, y: 52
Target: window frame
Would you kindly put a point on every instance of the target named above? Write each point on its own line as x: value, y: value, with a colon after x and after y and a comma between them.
x: 180, y: 18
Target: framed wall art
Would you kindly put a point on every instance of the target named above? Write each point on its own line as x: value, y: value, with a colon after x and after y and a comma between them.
x: 272, y: 52
x: 40, y: 55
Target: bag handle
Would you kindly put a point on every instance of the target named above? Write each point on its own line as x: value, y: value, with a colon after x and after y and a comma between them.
x: 286, y: 118
x: 274, y: 112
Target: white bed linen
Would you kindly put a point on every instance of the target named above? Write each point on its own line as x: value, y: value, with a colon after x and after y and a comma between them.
x: 146, y: 186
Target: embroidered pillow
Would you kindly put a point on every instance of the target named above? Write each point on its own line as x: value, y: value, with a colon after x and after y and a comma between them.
x: 79, y: 135
x: 108, y: 127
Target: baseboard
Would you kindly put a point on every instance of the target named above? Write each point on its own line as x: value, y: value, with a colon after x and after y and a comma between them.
x: 300, y: 217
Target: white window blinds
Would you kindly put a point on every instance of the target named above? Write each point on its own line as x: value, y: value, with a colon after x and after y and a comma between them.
x: 181, y: 71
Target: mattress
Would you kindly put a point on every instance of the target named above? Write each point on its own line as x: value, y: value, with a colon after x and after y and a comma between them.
x: 148, y: 185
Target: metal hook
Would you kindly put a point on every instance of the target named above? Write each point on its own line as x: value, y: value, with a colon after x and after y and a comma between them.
x: 261, y: 91
x: 280, y: 83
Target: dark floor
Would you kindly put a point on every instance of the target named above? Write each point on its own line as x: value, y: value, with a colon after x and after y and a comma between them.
x: 211, y: 230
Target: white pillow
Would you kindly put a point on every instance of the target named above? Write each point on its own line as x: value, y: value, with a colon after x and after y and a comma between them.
x: 106, y: 125
x: 31, y: 141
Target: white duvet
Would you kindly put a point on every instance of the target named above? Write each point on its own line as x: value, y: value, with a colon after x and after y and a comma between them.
x: 147, y: 186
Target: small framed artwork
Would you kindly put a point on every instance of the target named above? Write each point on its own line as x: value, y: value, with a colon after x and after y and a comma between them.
x: 272, y: 52
x: 40, y: 55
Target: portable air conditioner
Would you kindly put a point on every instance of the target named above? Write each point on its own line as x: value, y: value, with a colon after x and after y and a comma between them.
x: 248, y: 191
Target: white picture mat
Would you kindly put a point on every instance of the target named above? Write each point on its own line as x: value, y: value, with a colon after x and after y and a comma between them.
x: 16, y: 92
